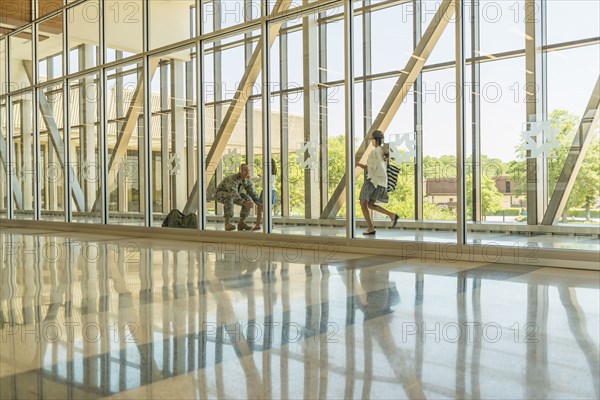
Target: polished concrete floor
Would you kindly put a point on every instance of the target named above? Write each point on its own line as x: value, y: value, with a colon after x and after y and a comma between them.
x: 89, y: 316
x: 537, y: 240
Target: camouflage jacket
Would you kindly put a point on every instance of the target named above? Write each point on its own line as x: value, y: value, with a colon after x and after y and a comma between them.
x: 234, y: 184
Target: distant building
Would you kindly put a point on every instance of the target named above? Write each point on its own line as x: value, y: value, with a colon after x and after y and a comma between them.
x: 508, y: 187
x: 443, y: 192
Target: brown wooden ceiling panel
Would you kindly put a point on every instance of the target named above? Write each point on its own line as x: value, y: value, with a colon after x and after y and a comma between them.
x: 45, y: 7
x: 14, y: 13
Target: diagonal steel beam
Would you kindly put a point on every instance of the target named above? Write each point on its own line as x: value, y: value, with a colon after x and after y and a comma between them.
x: 236, y: 107
x: 57, y: 142
x: 402, y: 87
x: 574, y: 159
x: 124, y: 134
x: 16, y: 186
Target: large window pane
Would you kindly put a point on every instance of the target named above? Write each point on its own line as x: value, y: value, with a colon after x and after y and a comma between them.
x: 496, y: 187
x: 50, y: 48
x: 502, y: 191
x: 23, y: 155
x: 173, y: 132
x: 502, y: 26
x: 390, y: 25
x: 52, y: 153
x: 178, y: 15
x: 21, y: 57
x: 84, y: 102
x: 233, y: 120
x: 567, y: 111
x: 221, y: 14
x: 123, y: 21
x: 572, y: 20
x: 308, y: 126
x: 439, y: 154
x: 125, y: 139
x: 379, y: 29
x: 84, y: 30
x: 444, y: 49
x: 510, y: 139
x: 3, y: 63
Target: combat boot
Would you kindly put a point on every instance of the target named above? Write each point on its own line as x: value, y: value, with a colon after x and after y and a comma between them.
x: 228, y: 225
x: 242, y: 226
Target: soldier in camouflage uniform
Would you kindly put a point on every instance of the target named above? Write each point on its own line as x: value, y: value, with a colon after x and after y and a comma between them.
x: 237, y: 189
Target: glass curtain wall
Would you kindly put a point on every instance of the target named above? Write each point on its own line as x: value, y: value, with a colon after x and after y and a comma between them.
x: 125, y: 139
x: 52, y: 152
x: 123, y: 28
x: 83, y: 23
x: 23, y: 147
x: 531, y: 159
x: 173, y: 131
x: 84, y: 147
x: 307, y: 123
x: 532, y: 162
x: 573, y: 112
x: 232, y: 123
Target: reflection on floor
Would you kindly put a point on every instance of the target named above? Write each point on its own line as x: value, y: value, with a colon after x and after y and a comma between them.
x: 542, y: 241
x: 88, y: 316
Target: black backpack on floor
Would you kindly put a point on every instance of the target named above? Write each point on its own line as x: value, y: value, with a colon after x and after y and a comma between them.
x: 177, y: 219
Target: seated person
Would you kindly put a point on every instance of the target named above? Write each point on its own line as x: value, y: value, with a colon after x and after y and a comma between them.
x: 237, y: 189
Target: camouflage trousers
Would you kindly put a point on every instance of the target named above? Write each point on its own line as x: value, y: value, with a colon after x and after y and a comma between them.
x: 226, y: 199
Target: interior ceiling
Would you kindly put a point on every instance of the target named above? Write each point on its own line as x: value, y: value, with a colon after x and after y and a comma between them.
x: 122, y: 36
x: 14, y: 14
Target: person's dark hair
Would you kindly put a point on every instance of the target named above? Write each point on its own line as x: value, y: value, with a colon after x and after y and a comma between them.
x: 273, y: 167
x: 378, y: 136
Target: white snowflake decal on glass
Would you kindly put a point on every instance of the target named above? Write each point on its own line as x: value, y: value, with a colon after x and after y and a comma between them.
x: 310, y: 161
x: 174, y: 164
x: 403, y: 147
x: 540, y: 138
